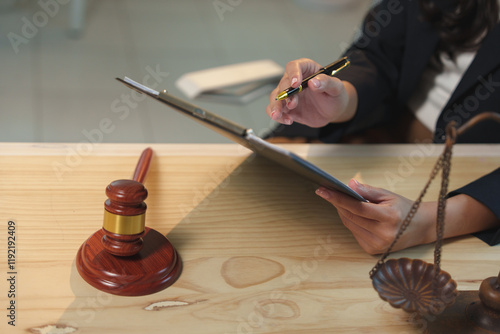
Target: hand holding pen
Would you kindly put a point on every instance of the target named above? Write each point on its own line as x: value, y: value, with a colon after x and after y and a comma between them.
x: 329, y: 70
x: 326, y: 100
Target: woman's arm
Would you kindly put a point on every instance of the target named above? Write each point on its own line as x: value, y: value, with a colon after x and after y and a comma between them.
x: 376, y: 223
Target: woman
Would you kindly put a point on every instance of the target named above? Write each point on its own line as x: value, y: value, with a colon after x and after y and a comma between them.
x: 416, y: 66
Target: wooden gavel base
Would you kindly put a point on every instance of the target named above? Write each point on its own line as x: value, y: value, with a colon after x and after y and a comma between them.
x: 154, y: 268
x: 463, y: 317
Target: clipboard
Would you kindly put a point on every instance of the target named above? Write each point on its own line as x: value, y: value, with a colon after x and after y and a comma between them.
x: 245, y: 137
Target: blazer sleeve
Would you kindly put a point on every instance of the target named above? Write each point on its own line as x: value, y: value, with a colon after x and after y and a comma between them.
x: 486, y: 190
x: 376, y: 59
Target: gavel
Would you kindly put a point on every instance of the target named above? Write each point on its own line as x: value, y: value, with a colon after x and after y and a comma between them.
x: 125, y: 211
x: 125, y: 257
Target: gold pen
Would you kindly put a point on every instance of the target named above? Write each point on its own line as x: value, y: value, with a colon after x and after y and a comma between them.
x: 328, y: 70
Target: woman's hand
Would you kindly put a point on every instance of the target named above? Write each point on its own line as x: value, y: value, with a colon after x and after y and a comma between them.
x: 375, y: 224
x: 327, y: 99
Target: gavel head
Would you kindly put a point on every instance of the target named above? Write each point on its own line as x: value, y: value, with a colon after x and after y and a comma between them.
x: 124, y: 217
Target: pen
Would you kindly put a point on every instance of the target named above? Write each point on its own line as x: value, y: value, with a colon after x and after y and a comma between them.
x: 328, y: 70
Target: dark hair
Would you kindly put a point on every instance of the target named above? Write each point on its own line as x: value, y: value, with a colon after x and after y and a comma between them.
x: 460, y: 23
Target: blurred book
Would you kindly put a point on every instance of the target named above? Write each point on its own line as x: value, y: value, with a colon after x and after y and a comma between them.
x: 237, y: 83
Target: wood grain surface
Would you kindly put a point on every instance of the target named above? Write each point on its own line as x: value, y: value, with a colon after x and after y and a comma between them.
x: 261, y: 252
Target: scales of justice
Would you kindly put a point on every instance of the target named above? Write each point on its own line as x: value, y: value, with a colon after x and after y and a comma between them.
x: 426, y: 292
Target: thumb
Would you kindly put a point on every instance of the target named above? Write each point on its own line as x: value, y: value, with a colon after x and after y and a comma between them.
x: 325, y: 84
x: 372, y: 194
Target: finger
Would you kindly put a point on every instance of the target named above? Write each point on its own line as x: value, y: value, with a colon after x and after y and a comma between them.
x: 286, y: 119
x: 293, y: 72
x: 282, y: 118
x: 370, y: 193
x: 365, y: 222
x: 277, y: 108
x: 325, y: 84
x: 365, y: 238
x: 340, y: 200
x: 382, y: 231
x: 274, y: 109
x: 377, y: 229
x: 298, y: 69
x: 292, y: 102
x: 279, y: 113
x: 282, y: 85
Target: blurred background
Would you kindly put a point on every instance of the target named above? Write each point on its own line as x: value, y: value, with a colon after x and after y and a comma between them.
x: 59, y: 60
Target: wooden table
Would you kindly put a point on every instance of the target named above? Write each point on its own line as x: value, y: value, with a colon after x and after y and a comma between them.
x: 261, y: 252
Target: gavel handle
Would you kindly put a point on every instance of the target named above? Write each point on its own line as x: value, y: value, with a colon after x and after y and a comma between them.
x: 143, y: 165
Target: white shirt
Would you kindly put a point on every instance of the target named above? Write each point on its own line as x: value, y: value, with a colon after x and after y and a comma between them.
x: 436, y: 86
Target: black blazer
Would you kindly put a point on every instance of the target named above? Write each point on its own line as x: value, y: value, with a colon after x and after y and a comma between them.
x: 485, y: 190
x: 387, y: 61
